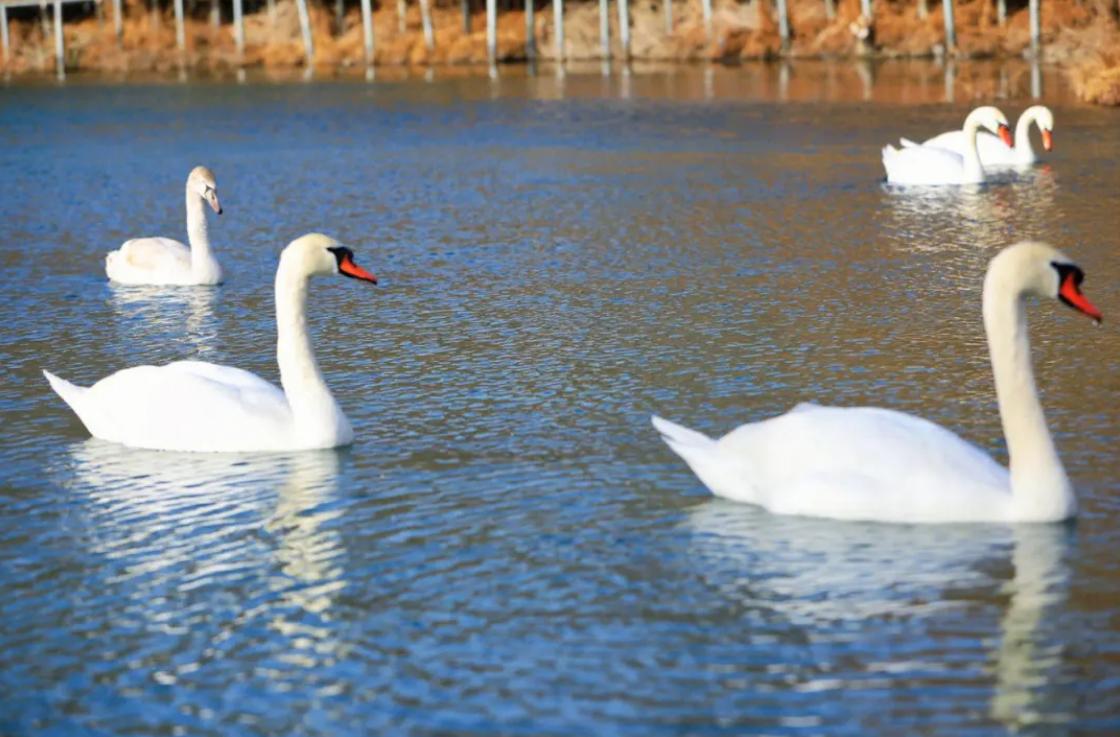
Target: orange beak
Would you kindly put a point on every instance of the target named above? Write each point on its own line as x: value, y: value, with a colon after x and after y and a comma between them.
x: 1071, y: 294
x: 351, y: 269
x: 1047, y: 139
x: 1005, y: 135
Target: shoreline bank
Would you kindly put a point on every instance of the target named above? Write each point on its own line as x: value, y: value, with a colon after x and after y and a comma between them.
x: 1083, y: 40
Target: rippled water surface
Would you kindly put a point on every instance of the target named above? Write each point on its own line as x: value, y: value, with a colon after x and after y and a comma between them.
x: 508, y: 547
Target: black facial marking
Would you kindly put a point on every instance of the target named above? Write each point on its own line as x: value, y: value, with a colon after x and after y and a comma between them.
x: 1065, y: 271
x: 341, y: 253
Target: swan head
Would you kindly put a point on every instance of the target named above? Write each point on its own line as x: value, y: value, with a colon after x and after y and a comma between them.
x: 316, y: 253
x: 1044, y: 119
x: 1039, y: 269
x: 201, y: 181
x: 991, y: 118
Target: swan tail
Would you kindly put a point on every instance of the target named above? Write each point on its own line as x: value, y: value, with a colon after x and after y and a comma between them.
x: 681, y: 439
x: 72, y: 394
x: 907, y: 143
x: 725, y: 476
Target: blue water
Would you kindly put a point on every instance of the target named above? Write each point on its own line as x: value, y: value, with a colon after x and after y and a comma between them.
x: 508, y: 547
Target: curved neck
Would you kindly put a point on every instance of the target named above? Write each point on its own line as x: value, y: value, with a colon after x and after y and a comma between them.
x: 1023, y: 148
x: 1039, y: 485
x: 197, y: 234
x: 973, y: 170
x: 313, y: 407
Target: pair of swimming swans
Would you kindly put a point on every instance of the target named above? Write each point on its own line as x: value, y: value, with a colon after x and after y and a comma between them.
x: 961, y: 156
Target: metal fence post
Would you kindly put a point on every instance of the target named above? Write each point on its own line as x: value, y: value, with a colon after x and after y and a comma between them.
x: 1036, y: 28
x: 180, y: 32
x: 604, y: 29
x: 706, y: 7
x: 239, y: 29
x: 950, y: 28
x: 4, y: 32
x: 426, y: 21
x: 783, y: 24
x: 492, y: 31
x: 367, y: 31
x: 305, y: 29
x: 624, y: 27
x: 558, y: 21
x: 530, y: 31
x: 59, y: 49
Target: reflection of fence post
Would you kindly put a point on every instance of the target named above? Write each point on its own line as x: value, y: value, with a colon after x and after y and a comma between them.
x: 530, y: 31
x: 367, y: 31
x: 605, y: 29
x: 706, y: 6
x: 1036, y: 28
x: 950, y: 28
x: 426, y: 21
x: 239, y: 30
x: 59, y: 50
x: 624, y: 27
x: 4, y: 32
x: 558, y: 21
x: 783, y: 24
x: 305, y: 28
x: 492, y: 31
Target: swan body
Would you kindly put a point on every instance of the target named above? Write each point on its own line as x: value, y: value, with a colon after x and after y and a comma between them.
x: 164, y: 261
x: 993, y: 151
x: 868, y: 463
x: 930, y: 165
x: 198, y: 406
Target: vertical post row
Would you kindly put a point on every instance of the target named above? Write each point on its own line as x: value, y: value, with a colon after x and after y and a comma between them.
x: 706, y: 6
x: 305, y: 29
x: 118, y: 19
x: 367, y: 31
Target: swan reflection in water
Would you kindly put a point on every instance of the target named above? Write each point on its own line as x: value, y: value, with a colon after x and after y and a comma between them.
x: 192, y: 522
x: 819, y: 574
x: 158, y: 316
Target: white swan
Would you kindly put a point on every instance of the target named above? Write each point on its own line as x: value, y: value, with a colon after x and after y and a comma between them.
x: 993, y: 151
x: 165, y: 261
x: 876, y: 464
x: 198, y: 406
x: 932, y: 165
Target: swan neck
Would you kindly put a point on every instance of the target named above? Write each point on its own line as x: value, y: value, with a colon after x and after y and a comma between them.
x: 198, y: 234
x: 974, y: 171
x: 1040, y: 488
x: 308, y: 396
x: 1023, y: 148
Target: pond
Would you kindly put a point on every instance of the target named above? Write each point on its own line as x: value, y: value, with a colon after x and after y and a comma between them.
x: 508, y: 547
